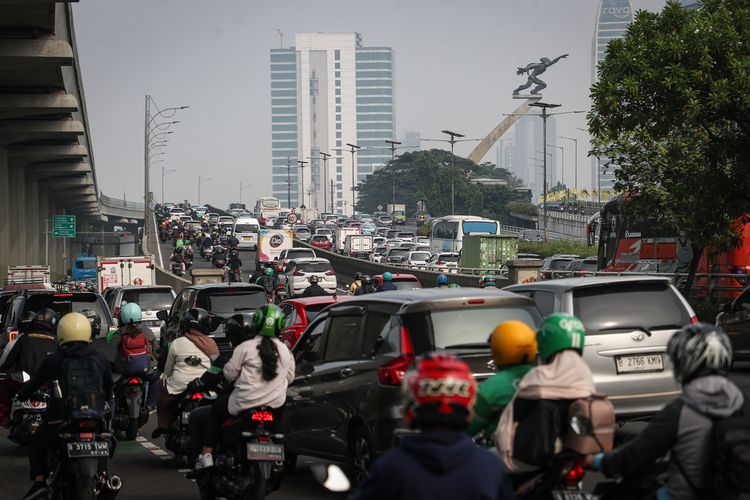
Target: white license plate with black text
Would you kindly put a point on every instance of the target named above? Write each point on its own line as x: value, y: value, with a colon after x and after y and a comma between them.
x: 570, y: 495
x: 88, y: 449
x: 265, y: 451
x: 639, y: 363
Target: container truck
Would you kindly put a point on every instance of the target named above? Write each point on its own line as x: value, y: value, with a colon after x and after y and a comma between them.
x: 122, y: 271
x: 397, y: 212
x: 488, y: 251
x: 340, y: 237
x: 271, y: 242
x: 358, y: 245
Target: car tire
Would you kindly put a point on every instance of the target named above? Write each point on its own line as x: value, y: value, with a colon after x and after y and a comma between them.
x: 361, y: 454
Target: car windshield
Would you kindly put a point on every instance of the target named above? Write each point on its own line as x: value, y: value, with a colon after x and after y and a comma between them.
x: 629, y: 306
x: 471, y: 326
x: 63, y: 303
x: 313, y: 267
x: 299, y: 254
x: 588, y: 265
x: 420, y: 256
x: 246, y: 228
x: 301, y: 230
x: 409, y: 284
x: 148, y: 300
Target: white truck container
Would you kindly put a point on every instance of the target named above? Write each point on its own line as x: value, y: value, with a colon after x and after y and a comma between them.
x: 358, y: 245
x: 271, y: 242
x: 340, y: 237
x: 30, y: 276
x: 122, y: 271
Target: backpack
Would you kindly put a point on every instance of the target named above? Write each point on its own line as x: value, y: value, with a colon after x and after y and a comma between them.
x: 730, y: 471
x: 598, y: 410
x: 135, y: 353
x: 82, y: 386
x: 538, y: 430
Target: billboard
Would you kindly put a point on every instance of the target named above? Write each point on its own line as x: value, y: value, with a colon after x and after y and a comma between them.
x: 615, y: 11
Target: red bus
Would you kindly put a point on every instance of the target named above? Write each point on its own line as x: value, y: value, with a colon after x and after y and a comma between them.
x: 636, y: 246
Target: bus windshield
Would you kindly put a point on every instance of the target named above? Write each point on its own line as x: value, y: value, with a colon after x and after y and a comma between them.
x: 477, y: 226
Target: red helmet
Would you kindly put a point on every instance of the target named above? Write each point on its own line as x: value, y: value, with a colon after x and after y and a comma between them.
x: 439, y: 390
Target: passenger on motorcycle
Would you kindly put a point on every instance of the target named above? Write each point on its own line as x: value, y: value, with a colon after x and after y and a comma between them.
x: 442, y: 281
x: 514, y: 349
x: 135, y: 346
x: 535, y: 420
x: 261, y: 370
x: 701, y: 357
x: 178, y: 258
x: 26, y: 355
x: 367, y: 287
x: 234, y: 259
x: 188, y: 357
x: 74, y: 357
x: 314, y: 290
x: 358, y: 279
x: 440, y: 461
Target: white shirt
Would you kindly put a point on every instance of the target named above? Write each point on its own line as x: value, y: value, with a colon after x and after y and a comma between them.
x: 250, y: 390
x: 177, y: 372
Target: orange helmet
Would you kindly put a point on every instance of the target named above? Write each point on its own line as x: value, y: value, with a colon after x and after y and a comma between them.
x: 512, y: 343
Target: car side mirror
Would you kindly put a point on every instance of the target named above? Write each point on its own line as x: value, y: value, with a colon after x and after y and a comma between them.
x: 162, y: 315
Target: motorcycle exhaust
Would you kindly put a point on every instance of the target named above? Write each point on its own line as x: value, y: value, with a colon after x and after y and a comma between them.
x: 111, y: 488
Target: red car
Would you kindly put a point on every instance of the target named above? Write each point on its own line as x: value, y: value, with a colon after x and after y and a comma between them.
x: 321, y: 241
x: 300, y: 312
x: 402, y: 281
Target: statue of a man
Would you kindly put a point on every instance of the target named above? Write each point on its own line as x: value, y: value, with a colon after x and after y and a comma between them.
x: 534, y: 70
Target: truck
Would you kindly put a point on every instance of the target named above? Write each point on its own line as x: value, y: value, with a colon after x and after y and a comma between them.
x: 26, y: 277
x: 397, y: 212
x: 340, y: 237
x: 271, y: 242
x: 83, y: 268
x: 123, y: 271
x: 488, y: 251
x: 358, y: 245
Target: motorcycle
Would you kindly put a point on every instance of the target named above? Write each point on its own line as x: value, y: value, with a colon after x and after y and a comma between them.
x: 25, y: 415
x: 235, y: 275
x: 78, y: 461
x: 178, y: 433
x: 207, y: 253
x: 178, y: 268
x: 280, y: 295
x: 249, y: 460
x: 131, y: 412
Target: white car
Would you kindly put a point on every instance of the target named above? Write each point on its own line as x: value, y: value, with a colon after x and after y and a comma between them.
x: 379, y: 240
x: 418, y: 258
x: 290, y: 254
x: 377, y: 254
x: 299, y: 271
x: 443, y: 261
x: 392, y: 242
x: 325, y: 232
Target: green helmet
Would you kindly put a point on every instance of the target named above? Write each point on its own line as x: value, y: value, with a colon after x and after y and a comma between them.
x: 269, y: 320
x: 454, y: 285
x: 559, y: 332
x: 387, y: 276
x: 269, y: 271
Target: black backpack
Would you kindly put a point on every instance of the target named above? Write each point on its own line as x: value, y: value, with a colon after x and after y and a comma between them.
x: 82, y: 386
x: 731, y: 457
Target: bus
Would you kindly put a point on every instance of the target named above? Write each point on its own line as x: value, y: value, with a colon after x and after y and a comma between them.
x: 624, y: 245
x: 522, y: 194
x: 448, y: 232
x: 267, y: 207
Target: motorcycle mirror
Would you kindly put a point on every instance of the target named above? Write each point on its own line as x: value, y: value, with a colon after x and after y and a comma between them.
x: 581, y: 426
x: 331, y: 477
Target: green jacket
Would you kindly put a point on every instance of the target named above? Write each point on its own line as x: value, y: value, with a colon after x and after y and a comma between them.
x: 494, y: 394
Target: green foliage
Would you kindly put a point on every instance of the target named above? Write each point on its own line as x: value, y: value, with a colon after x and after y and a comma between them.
x: 671, y: 109
x: 523, y: 208
x: 425, y: 229
x: 427, y: 174
x: 552, y: 247
x: 706, y: 309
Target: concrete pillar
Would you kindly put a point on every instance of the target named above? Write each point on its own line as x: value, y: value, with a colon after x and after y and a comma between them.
x: 42, y: 196
x: 4, y: 213
x: 17, y: 201
x: 33, y: 224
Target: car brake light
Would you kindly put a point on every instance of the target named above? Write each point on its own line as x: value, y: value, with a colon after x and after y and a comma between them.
x: 134, y: 381
x: 62, y: 295
x: 440, y: 263
x: 693, y: 320
x: 117, y: 312
x: 575, y: 474
x: 392, y: 373
x: 476, y: 301
x: 262, y: 416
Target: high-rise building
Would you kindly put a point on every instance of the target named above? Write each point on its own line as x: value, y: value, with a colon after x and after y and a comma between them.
x: 690, y: 4
x: 612, y: 22
x: 410, y: 142
x: 506, y: 155
x: 326, y: 91
x: 528, y: 152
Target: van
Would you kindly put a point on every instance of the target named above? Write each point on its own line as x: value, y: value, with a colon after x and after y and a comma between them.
x: 246, y: 231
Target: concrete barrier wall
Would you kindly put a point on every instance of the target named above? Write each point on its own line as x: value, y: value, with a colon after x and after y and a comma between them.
x: 164, y: 277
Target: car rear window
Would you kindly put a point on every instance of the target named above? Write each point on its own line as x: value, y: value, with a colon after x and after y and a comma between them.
x: 398, y: 252
x: 314, y: 267
x: 406, y: 284
x: 319, y: 237
x: 625, y: 307
x: 420, y: 255
x: 299, y: 254
x: 246, y: 228
x: 231, y: 301
x: 312, y: 310
x: 63, y: 303
x: 148, y: 300
x: 558, y: 264
x: 446, y: 257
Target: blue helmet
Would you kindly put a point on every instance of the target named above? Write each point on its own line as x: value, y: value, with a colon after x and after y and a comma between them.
x: 488, y: 280
x: 442, y: 280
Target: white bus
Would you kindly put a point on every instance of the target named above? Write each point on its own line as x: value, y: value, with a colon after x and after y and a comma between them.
x: 448, y: 232
x: 267, y: 207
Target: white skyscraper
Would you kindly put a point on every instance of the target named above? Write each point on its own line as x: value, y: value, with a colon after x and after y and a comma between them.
x: 528, y: 152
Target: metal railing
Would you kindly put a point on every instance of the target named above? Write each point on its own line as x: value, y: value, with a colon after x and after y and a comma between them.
x: 117, y: 203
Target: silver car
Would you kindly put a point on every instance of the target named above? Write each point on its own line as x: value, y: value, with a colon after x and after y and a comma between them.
x: 150, y: 298
x: 628, y: 320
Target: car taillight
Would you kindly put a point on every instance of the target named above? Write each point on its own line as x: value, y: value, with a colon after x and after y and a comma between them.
x: 298, y: 273
x: 392, y: 373
x: 440, y: 263
x: 262, y: 416
x: 575, y: 474
x: 693, y: 320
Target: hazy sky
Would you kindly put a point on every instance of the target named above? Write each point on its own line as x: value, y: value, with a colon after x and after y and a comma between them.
x: 455, y: 69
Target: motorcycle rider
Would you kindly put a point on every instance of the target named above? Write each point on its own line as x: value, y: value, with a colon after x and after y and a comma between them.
x: 442, y: 281
x: 440, y: 461
x: 74, y: 337
x: 367, y: 286
x: 267, y: 281
x: 27, y: 355
x: 358, y: 278
x: 314, y: 290
x: 387, y: 284
x: 514, y: 349
x: 488, y: 281
x: 178, y: 258
x: 701, y: 356
x: 220, y: 253
x: 234, y: 259
x: 189, y: 356
x: 261, y: 369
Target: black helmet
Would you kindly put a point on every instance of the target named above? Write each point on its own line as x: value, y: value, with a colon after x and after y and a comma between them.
x: 698, y: 350
x: 46, y: 321
x: 196, y: 318
x: 26, y: 322
x: 358, y: 276
x: 94, y: 319
x: 239, y: 328
x: 368, y: 280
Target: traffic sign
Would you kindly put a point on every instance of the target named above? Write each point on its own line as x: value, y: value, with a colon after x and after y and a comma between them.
x: 64, y: 226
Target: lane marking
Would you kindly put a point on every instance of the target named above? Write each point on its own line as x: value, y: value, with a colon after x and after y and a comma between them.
x: 153, y: 448
x: 158, y: 244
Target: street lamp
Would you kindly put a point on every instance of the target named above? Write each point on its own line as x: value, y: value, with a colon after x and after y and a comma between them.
x: 575, y: 177
x: 163, y: 174
x: 562, y: 162
x: 201, y: 181
x: 353, y: 150
x: 242, y: 188
x: 393, y: 145
x: 545, y: 106
x: 301, y: 164
x: 325, y: 182
x: 453, y: 141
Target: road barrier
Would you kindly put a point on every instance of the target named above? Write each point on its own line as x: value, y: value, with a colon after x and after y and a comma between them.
x: 164, y: 277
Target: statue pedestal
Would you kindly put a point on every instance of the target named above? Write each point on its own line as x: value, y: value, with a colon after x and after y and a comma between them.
x: 532, y: 97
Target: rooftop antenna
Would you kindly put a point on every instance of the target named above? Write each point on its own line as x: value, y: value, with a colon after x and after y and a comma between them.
x: 281, y: 38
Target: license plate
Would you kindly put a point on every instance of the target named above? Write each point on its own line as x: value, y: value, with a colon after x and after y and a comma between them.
x: 640, y: 363
x: 185, y: 417
x: 88, y: 449
x: 265, y: 451
x: 247, y: 238
x: 570, y: 495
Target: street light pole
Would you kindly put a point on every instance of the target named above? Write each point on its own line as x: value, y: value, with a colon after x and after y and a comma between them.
x: 393, y: 145
x: 453, y: 141
x: 201, y: 181
x: 545, y: 106
x: 325, y: 182
x: 562, y: 151
x: 242, y: 187
x: 163, y: 174
x: 288, y: 183
x: 301, y: 165
x: 575, y: 177
x: 353, y: 150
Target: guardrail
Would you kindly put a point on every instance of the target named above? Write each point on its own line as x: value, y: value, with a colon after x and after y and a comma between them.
x: 117, y: 203
x: 164, y: 277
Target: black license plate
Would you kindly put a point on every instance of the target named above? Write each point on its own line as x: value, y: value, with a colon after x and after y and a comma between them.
x: 265, y: 451
x: 88, y: 449
x: 570, y: 495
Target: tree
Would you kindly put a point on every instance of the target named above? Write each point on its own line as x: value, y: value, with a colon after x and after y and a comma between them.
x: 427, y: 174
x: 671, y: 110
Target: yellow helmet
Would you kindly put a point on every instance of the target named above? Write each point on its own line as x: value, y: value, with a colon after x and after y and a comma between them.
x: 74, y: 327
x: 513, y: 343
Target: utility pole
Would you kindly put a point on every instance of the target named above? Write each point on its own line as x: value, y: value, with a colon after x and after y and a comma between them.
x: 575, y: 182
x: 325, y: 181
x: 201, y: 181
x: 544, y: 107
x: 453, y: 141
x: 146, y: 168
x: 288, y: 183
x: 353, y: 150
x: 301, y: 164
x: 393, y: 145
x: 281, y: 38
x: 163, y: 174
x: 332, y: 209
x: 242, y: 188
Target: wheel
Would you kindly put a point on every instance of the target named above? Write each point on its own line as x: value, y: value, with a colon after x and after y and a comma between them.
x: 84, y: 471
x: 290, y: 462
x: 361, y: 453
x: 259, y: 485
x: 132, y: 430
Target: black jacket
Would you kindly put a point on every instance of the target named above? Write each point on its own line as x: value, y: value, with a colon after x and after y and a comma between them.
x: 29, y: 352
x: 314, y: 290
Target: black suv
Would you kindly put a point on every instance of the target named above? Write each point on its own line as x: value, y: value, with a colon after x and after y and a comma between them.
x: 345, y: 401
x: 61, y: 302
x: 221, y: 299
